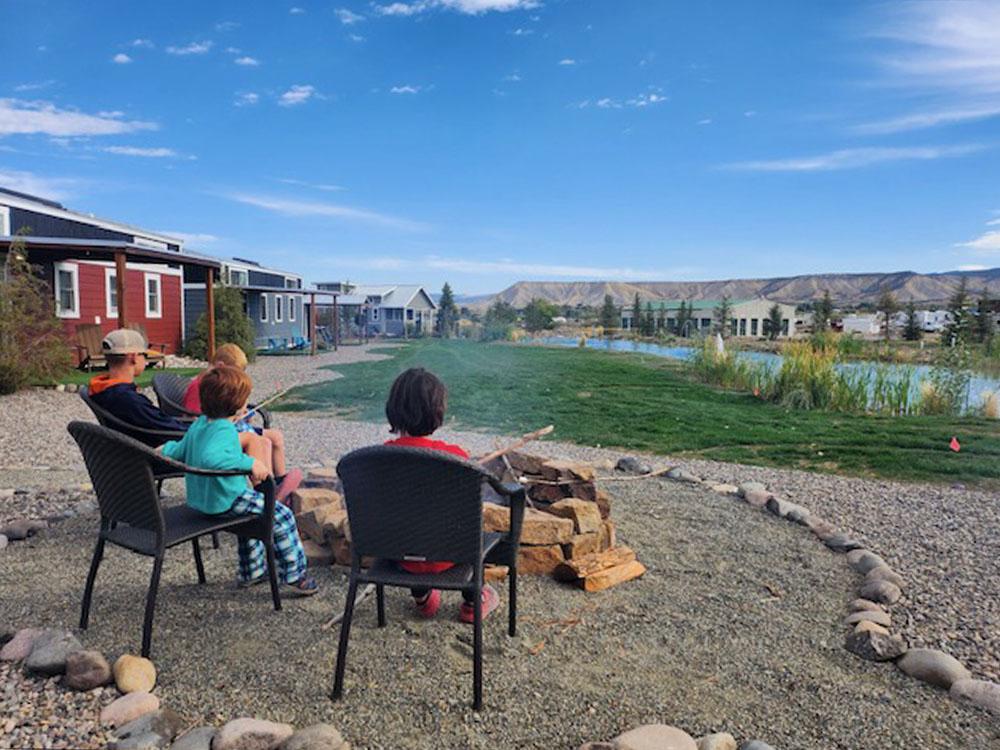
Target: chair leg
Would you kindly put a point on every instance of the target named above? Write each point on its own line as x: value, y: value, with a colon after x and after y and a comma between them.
x: 380, y: 602
x: 147, y: 625
x: 215, y: 540
x: 159, y: 487
x: 512, y: 602
x: 88, y: 590
x: 197, y: 560
x: 272, y: 576
x: 477, y: 652
x: 345, y: 634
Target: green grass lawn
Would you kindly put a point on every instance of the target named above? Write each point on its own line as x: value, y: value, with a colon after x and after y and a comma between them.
x: 648, y: 403
x: 80, y: 377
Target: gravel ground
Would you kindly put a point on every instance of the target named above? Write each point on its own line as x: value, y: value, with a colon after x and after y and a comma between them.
x: 699, y: 642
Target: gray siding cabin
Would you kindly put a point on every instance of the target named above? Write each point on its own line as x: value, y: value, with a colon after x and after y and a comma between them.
x: 272, y: 299
x: 394, y: 310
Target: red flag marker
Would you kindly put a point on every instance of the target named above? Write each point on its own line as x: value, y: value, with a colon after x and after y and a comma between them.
x: 955, y: 445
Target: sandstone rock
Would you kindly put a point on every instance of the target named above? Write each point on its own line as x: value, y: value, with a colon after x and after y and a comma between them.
x: 756, y: 498
x: 859, y: 605
x: 981, y: 693
x: 317, y: 554
x: 879, y: 618
x: 321, y: 523
x: 134, y: 674
x: 787, y: 509
x: 22, y: 528
x: 251, y: 734
x: 718, y: 741
x: 525, y: 462
x: 933, y: 667
x: 495, y: 573
x: 633, y: 465
x: 86, y: 670
x: 545, y: 494
x: 874, y: 646
x: 603, y: 500
x: 726, y: 489
x: 543, y: 528
x: 128, y: 708
x: 882, y: 592
x: 683, y: 475
x: 841, y: 542
x: 50, y: 650
x: 19, y: 647
x: 868, y: 625
x: 655, y: 737
x: 885, y: 573
x: 585, y: 515
x: 609, y: 538
x: 539, y: 560
x: 341, y: 551
x: 306, y: 499
x: 199, y: 738
x: 151, y: 730
x: 582, y: 544
x: 324, y: 478
x: 316, y: 737
x: 496, y: 517
x: 863, y: 560
x: 746, y: 487
x: 557, y: 468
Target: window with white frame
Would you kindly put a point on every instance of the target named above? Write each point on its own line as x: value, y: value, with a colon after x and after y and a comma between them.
x: 154, y: 295
x: 291, y: 309
x: 111, y: 293
x: 67, y: 278
x: 4, y: 220
x: 279, y: 302
x: 263, y: 308
x: 374, y: 313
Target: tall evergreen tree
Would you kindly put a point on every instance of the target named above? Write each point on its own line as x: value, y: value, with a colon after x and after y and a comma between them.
x: 985, y: 324
x: 912, y: 331
x: 636, y: 315
x: 887, y: 307
x: 773, y: 321
x: 447, y: 318
x: 538, y: 315
x: 608, y: 317
x: 959, y: 320
x: 648, y: 321
x: 723, y: 314
x: 682, y: 318
x: 823, y: 312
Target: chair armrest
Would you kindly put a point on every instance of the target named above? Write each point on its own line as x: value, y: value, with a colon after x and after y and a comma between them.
x: 265, y: 415
x: 161, y: 347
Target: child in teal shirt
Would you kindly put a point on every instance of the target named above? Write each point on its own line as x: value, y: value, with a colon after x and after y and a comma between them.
x: 213, y: 442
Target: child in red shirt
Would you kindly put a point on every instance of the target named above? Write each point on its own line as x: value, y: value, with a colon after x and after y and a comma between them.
x: 415, y: 409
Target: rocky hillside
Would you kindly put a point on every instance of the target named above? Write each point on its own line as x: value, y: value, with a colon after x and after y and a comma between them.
x: 845, y: 288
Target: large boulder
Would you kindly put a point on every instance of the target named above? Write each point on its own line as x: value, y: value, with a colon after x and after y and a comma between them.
x: 199, y: 738
x: 128, y: 708
x: 933, y: 667
x: 981, y: 693
x: 19, y: 647
x: 50, y: 651
x: 316, y: 737
x: 873, y: 645
x: 655, y: 737
x: 585, y: 515
x: 251, y: 734
x: 152, y: 730
x: 717, y: 741
x: 86, y: 670
x: 544, y: 528
x: 134, y: 674
x: 863, y: 560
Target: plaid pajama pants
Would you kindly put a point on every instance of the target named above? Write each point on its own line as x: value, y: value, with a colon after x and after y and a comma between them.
x: 288, y: 552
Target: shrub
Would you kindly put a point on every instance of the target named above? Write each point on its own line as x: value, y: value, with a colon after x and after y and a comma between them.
x: 946, y: 390
x: 32, y: 346
x: 232, y: 325
x: 726, y: 368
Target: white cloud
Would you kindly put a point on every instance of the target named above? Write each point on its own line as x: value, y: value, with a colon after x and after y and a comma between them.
x: 144, y: 43
x: 195, y: 48
x: 469, y: 7
x: 54, y: 188
x: 226, y: 25
x: 946, y: 50
x: 296, y: 11
x: 638, y: 102
x: 321, y: 186
x: 705, y: 121
x: 854, y: 158
x: 567, y: 61
x: 513, y: 78
x: 607, y: 103
x: 973, y: 267
x: 331, y: 210
x: 348, y: 17
x: 993, y: 223
x: 508, y: 267
x: 985, y: 244
x: 149, y: 153
x: 750, y: 113
x: 405, y: 89
x: 647, y: 99
x: 234, y: 50
x: 189, y: 237
x: 25, y: 117
x: 21, y: 88
x: 297, y: 94
x: 247, y: 61
x: 121, y: 59
x: 355, y: 37
x: 522, y: 32
x: 246, y: 100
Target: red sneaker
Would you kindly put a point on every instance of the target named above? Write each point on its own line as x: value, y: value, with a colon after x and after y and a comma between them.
x: 491, y: 600
x: 428, y: 606
x: 289, y: 483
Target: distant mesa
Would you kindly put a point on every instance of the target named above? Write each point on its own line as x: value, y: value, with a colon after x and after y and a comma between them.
x: 844, y: 288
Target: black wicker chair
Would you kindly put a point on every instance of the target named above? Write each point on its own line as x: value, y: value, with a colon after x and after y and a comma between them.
x: 417, y: 504
x: 123, y: 472
x: 170, y: 390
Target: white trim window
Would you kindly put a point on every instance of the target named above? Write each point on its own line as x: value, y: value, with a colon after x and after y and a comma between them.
x: 153, y: 289
x: 263, y: 308
x: 67, y: 283
x: 111, y: 293
x: 291, y: 309
x: 279, y: 308
x: 4, y: 220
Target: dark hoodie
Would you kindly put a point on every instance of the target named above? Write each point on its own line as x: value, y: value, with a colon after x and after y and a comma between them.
x: 123, y: 400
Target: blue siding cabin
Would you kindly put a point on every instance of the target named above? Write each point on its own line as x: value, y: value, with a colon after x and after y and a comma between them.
x: 272, y: 299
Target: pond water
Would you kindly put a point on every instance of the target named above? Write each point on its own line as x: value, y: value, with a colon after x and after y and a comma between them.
x: 979, y: 385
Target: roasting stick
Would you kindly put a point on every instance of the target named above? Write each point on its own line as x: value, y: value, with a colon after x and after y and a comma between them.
x: 359, y: 597
x: 524, y: 440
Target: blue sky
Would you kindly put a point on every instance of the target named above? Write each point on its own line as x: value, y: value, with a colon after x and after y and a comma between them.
x: 488, y: 141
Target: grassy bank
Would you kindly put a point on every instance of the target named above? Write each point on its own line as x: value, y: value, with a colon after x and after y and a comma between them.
x: 648, y: 403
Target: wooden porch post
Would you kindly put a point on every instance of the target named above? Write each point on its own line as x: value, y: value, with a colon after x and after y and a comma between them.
x: 210, y: 311
x: 312, y: 323
x: 120, y: 287
x: 336, y: 324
